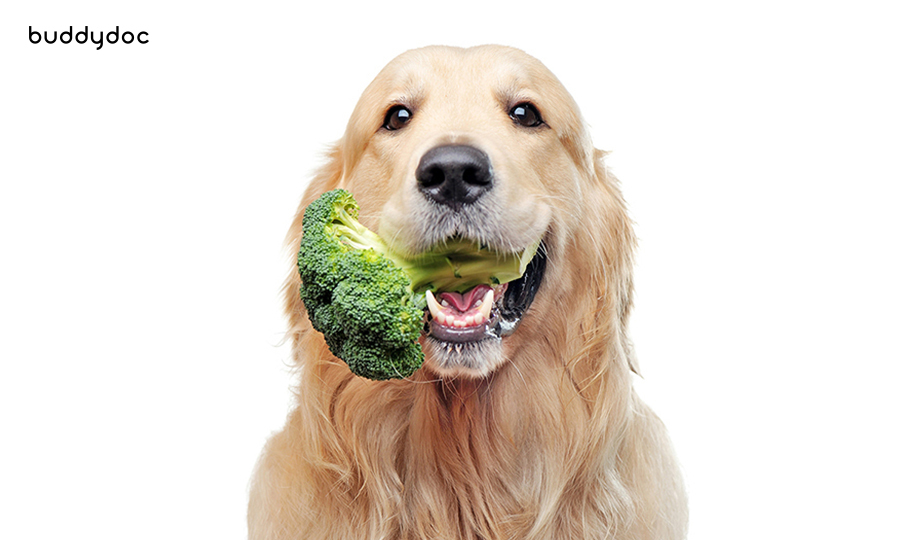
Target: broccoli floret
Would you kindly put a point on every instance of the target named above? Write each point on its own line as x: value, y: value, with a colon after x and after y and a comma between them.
x: 367, y: 301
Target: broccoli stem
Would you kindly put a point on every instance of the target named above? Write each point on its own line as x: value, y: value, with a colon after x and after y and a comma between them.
x: 354, y: 234
x: 457, y: 265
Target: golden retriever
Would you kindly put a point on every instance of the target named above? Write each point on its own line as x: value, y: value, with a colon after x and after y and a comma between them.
x: 524, y: 428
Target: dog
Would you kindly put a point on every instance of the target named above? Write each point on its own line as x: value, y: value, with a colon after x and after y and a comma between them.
x: 525, y: 428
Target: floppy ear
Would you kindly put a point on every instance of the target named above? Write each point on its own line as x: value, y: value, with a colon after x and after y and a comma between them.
x: 620, y: 257
x: 328, y: 177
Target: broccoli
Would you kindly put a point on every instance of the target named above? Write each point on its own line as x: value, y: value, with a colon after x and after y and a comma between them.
x: 368, y: 301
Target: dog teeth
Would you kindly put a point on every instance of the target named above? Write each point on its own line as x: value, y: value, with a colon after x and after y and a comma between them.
x: 485, y: 308
x: 482, y: 314
x: 433, y: 306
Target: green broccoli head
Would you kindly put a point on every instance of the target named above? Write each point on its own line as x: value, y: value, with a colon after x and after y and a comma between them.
x: 367, y: 301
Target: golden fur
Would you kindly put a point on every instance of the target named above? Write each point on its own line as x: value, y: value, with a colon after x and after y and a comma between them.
x: 546, y: 439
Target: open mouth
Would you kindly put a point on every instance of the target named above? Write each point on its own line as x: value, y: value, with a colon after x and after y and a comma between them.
x: 484, y: 312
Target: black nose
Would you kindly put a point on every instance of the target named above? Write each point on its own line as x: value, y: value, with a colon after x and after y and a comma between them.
x: 454, y: 175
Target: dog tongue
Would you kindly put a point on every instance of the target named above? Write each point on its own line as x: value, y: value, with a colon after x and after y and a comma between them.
x: 464, y: 302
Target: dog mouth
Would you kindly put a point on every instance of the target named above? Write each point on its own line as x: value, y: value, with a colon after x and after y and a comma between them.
x: 483, y: 312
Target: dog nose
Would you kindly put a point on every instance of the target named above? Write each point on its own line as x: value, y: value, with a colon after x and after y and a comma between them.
x: 454, y: 175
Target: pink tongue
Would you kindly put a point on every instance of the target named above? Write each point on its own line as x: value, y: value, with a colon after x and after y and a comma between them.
x: 464, y: 302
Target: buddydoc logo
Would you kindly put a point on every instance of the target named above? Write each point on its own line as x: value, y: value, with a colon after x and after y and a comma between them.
x: 81, y: 37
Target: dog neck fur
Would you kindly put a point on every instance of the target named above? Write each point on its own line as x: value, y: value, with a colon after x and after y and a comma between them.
x: 518, y: 454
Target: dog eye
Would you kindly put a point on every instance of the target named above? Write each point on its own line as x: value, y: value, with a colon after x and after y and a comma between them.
x: 396, y: 117
x: 526, y: 115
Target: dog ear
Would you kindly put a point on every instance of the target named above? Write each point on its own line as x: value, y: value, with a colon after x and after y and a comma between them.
x: 329, y: 176
x: 620, y: 258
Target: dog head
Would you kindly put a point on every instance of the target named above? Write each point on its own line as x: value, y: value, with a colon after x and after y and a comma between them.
x: 485, y: 144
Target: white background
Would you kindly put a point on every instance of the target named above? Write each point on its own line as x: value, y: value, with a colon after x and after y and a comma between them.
x: 146, y: 191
